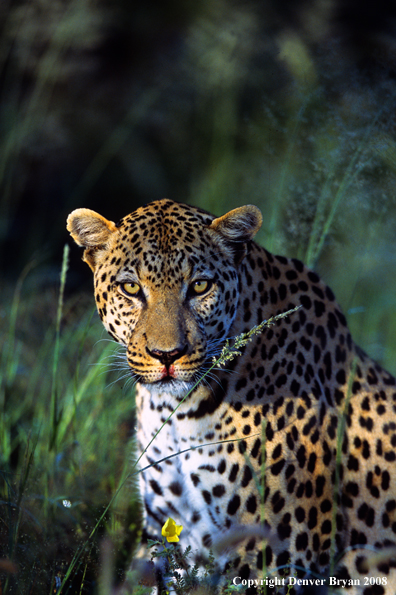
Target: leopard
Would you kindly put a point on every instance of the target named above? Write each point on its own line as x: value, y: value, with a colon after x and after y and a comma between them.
x: 283, y: 460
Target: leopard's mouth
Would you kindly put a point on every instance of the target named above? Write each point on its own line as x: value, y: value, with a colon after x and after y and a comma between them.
x: 172, y: 375
x: 171, y: 379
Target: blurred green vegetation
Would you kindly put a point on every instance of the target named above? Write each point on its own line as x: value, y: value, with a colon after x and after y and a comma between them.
x: 61, y: 423
x: 108, y: 106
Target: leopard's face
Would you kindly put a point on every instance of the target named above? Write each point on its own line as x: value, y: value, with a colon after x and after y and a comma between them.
x: 166, y: 286
x: 167, y: 308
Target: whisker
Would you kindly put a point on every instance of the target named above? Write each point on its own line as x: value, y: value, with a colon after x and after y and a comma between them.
x: 118, y: 345
x: 207, y: 384
x: 119, y: 377
x: 118, y: 364
x: 117, y: 380
x: 210, y: 377
x: 111, y: 367
x: 130, y: 381
x: 226, y: 370
x: 112, y: 355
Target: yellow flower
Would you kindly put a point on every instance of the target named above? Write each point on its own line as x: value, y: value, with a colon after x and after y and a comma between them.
x: 171, y: 531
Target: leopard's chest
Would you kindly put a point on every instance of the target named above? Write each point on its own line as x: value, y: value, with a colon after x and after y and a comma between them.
x: 182, y: 473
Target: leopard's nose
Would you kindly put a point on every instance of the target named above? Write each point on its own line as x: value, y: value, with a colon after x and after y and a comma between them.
x: 167, y: 357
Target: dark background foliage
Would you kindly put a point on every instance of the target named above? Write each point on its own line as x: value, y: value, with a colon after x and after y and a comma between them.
x: 110, y: 105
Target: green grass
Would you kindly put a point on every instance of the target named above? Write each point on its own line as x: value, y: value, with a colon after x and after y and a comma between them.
x: 65, y: 444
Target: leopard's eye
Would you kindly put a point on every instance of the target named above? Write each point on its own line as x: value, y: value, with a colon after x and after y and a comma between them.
x: 201, y: 286
x: 130, y: 289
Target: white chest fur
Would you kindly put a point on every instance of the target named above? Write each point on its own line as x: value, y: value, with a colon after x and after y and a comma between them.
x: 182, y: 477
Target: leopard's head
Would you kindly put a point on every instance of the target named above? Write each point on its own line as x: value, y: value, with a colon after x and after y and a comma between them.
x: 167, y: 284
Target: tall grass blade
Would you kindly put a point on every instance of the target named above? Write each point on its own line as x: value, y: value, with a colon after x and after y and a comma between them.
x: 55, y: 413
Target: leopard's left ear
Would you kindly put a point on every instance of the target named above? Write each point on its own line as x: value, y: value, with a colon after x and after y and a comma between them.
x: 239, y: 225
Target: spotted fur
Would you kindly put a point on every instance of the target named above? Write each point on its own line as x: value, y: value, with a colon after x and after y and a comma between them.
x: 171, y: 284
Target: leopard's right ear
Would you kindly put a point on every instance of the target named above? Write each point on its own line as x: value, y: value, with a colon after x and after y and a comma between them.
x: 91, y: 231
